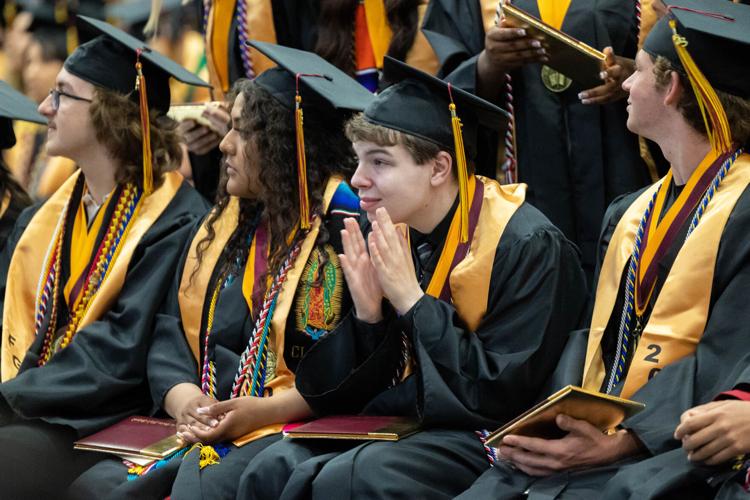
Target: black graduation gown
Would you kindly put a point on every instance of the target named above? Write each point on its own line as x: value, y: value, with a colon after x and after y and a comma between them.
x: 100, y: 378
x: 463, y: 380
x: 720, y: 359
x: 232, y: 328
x: 576, y: 158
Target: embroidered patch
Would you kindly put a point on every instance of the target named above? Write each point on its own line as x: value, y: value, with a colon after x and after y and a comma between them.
x: 318, y: 301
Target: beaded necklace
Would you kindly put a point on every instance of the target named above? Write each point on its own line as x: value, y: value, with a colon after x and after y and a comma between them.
x: 126, y: 207
x: 624, y: 336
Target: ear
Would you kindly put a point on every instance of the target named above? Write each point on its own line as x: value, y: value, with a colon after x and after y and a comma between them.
x: 442, y: 169
x: 675, y: 90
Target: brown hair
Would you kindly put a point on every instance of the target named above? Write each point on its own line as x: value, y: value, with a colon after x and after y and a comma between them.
x: 336, y: 30
x: 421, y: 150
x: 737, y: 108
x: 117, y: 122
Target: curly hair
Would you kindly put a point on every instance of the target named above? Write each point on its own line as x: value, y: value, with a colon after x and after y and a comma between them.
x: 336, y: 33
x: 270, y: 125
x: 8, y: 184
x: 116, y: 119
x: 737, y: 108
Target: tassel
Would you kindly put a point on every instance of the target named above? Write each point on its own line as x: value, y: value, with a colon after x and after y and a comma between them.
x: 209, y: 455
x: 463, y: 173
x: 714, y: 116
x: 304, y: 202
x: 140, y: 86
x: 152, y: 25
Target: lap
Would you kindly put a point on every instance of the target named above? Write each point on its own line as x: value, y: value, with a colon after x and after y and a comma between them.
x: 41, y: 459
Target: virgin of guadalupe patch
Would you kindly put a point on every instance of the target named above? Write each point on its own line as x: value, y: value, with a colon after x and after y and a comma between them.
x: 318, y: 301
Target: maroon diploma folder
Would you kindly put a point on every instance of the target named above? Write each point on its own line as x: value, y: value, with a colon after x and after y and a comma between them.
x: 138, y: 437
x: 356, y: 427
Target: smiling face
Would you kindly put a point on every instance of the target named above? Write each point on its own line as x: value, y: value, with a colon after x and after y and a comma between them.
x: 646, y: 101
x: 388, y: 176
x: 240, y: 156
x: 70, y: 132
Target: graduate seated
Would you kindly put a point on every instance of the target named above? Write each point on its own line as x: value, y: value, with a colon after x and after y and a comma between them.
x: 456, y: 322
x: 82, y: 275
x: 667, y: 327
x: 259, y: 285
x: 13, y: 198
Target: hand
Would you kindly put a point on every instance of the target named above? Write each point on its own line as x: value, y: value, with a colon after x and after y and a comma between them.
x: 201, y: 139
x: 617, y: 69
x: 715, y: 432
x: 236, y: 417
x: 583, y: 446
x: 361, y: 279
x: 391, y: 258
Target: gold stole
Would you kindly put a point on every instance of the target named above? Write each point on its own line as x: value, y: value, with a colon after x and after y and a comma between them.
x: 470, y: 279
x: 31, y: 254
x: 5, y: 203
x: 553, y: 12
x: 420, y: 55
x: 680, y: 312
x: 259, y: 27
x: 193, y: 296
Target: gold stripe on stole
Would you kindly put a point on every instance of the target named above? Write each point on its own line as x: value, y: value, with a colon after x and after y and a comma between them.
x: 470, y: 279
x: 192, y: 296
x: 680, y: 312
x: 378, y: 29
x: 489, y: 13
x: 421, y: 55
x: 260, y: 26
x: 29, y: 258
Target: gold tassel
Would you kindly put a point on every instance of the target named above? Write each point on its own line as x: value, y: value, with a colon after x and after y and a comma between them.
x: 714, y: 116
x: 463, y: 173
x: 140, y: 85
x: 304, y: 202
x: 208, y: 455
x: 152, y: 25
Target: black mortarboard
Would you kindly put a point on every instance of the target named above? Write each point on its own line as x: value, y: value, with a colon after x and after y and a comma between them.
x: 109, y: 59
x: 332, y: 86
x: 717, y: 34
x: 306, y: 76
x: 15, y: 106
x: 707, y: 40
x: 419, y: 104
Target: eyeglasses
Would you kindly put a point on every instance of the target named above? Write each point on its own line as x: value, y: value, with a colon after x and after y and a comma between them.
x: 56, y: 93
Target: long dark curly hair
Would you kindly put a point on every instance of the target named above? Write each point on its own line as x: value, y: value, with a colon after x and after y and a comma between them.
x: 270, y: 125
x: 8, y: 184
x: 335, y: 41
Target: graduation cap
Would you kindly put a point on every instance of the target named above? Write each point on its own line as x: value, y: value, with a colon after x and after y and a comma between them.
x: 301, y: 74
x: 422, y: 105
x: 705, y: 40
x: 120, y: 62
x: 15, y: 106
x: 60, y: 14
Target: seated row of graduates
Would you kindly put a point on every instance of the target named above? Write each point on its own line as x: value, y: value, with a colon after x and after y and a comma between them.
x: 281, y: 309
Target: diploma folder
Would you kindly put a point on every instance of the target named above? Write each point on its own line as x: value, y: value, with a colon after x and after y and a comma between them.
x: 356, y: 427
x: 601, y: 410
x: 136, y: 437
x: 576, y: 60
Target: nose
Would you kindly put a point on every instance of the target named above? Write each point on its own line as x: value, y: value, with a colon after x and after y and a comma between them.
x: 628, y: 83
x: 225, y: 145
x: 360, y: 180
x: 45, y: 107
